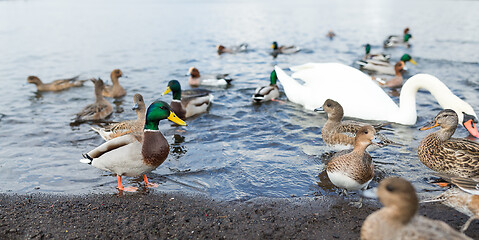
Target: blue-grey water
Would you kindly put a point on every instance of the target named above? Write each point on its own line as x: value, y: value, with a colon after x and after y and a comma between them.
x: 237, y: 150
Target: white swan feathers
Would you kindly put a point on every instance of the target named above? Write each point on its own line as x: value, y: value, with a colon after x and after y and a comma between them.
x: 360, y: 96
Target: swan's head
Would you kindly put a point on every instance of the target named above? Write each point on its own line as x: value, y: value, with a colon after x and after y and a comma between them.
x: 333, y: 109
x: 407, y: 58
x: 469, y: 122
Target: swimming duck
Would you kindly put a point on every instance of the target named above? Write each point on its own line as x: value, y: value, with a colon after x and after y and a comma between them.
x: 57, y: 85
x: 115, y: 90
x: 330, y: 34
x: 396, y: 41
x: 378, y: 57
x: 126, y: 127
x: 335, y: 131
x: 98, y: 110
x: 188, y: 106
x: 364, y: 99
x: 397, y: 80
x: 283, y: 49
x: 267, y: 93
x: 220, y: 49
x: 464, y: 198
x: 398, y: 218
x: 353, y: 169
x: 384, y: 67
x: 196, y: 80
x: 136, y: 154
x: 452, y: 156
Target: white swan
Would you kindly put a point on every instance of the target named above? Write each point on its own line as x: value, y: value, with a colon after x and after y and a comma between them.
x: 361, y: 97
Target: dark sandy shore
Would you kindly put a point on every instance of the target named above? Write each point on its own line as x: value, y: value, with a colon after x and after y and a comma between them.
x: 180, y: 216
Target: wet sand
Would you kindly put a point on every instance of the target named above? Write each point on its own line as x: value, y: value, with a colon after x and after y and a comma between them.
x: 180, y: 216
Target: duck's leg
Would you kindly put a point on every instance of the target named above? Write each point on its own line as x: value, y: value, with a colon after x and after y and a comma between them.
x: 468, y: 222
x: 121, y: 188
x: 149, y: 184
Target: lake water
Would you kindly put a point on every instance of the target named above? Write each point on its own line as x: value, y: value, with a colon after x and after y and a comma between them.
x: 237, y: 150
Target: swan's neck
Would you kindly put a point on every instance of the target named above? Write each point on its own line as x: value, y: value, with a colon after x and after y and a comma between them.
x: 407, y: 99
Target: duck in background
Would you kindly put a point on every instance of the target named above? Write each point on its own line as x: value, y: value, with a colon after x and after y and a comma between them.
x: 396, y: 41
x: 115, y: 90
x: 126, y: 127
x: 398, y: 218
x: 136, y: 154
x: 187, y: 106
x: 218, y: 80
x: 353, y: 169
x: 397, y: 80
x: 338, y: 132
x: 363, y: 98
x: 269, y: 92
x: 383, y: 67
x: 331, y: 35
x: 457, y: 157
x: 283, y: 49
x: 98, y: 110
x: 464, y: 198
x: 57, y: 85
x: 378, y: 57
x: 220, y: 49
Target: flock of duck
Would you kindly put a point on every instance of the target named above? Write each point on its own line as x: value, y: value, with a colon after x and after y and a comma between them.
x: 137, y: 147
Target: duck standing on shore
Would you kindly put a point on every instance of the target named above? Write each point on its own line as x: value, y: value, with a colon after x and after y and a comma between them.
x: 353, y: 169
x: 136, y: 154
x: 98, y: 110
x: 398, y: 218
x: 126, y: 127
x: 115, y: 90
x: 57, y: 85
x: 185, y: 107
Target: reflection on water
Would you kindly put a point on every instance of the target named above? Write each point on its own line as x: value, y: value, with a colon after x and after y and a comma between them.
x: 238, y: 150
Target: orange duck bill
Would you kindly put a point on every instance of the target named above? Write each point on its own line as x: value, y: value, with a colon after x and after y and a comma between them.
x: 470, y: 124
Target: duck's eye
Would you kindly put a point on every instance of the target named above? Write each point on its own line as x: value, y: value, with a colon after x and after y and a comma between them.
x: 390, y: 188
x: 329, y: 105
x: 366, y: 132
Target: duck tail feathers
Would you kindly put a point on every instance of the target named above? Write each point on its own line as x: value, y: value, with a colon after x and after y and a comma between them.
x: 86, y: 159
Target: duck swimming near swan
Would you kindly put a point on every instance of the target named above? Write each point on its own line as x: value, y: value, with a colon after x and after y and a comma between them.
x: 364, y: 99
x: 196, y: 80
x: 384, y: 67
x: 267, y: 93
x: 57, y: 85
x: 378, y: 56
x: 187, y: 106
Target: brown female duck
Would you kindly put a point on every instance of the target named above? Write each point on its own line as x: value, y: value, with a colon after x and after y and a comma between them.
x: 452, y: 156
x: 336, y: 131
x: 98, y: 110
x: 115, y: 90
x: 57, y: 85
x: 126, y: 127
x: 398, y: 219
x: 353, y: 169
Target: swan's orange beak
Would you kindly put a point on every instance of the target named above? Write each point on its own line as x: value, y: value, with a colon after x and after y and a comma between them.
x: 471, y: 127
x: 429, y: 125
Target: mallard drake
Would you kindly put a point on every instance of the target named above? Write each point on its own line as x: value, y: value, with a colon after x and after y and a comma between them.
x: 220, y: 49
x: 396, y: 41
x: 397, y: 80
x: 353, y: 169
x: 452, y: 156
x: 383, y: 67
x: 338, y: 132
x: 284, y: 49
x: 98, y: 110
x: 398, y: 218
x: 378, y: 57
x: 267, y: 93
x: 196, y: 79
x: 115, y: 90
x: 188, y: 106
x: 57, y: 85
x: 135, y: 154
x: 464, y: 198
x: 363, y: 98
x: 126, y: 127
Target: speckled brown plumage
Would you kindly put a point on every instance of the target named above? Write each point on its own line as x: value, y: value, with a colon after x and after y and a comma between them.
x: 336, y: 131
x: 98, y: 110
x: 452, y: 156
